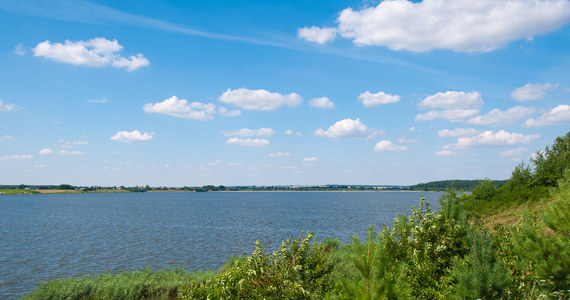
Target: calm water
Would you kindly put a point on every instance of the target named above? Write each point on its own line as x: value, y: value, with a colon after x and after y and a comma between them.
x: 55, y: 236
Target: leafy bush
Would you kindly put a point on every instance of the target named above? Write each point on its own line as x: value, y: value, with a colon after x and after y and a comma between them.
x: 427, y: 242
x: 298, y: 270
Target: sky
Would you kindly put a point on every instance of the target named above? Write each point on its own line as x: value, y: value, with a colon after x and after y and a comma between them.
x: 296, y: 92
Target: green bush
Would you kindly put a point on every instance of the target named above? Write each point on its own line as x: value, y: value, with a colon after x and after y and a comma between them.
x: 298, y: 270
x: 543, y: 243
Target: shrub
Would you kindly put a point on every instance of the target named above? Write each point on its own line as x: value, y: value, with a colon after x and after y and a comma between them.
x: 298, y: 270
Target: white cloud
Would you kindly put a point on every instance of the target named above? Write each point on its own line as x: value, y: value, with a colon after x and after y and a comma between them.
x: 20, y: 50
x: 453, y: 115
x: 308, y: 161
x: 407, y: 141
x: 259, y: 99
x: 412, y: 129
x: 250, y: 132
x: 73, y: 153
x: 491, y: 138
x: 560, y: 115
x: 41, y: 166
x: 515, y: 152
x: 279, y: 154
x: 531, y: 91
x: 497, y: 117
x: 132, y: 136
x: 6, y: 137
x: 97, y: 52
x: 370, y: 100
x: 248, y: 142
x: 461, y: 26
x: 346, y: 128
x: 322, y: 102
x: 181, y: 108
x: 452, y: 100
x: 228, y: 113
x: 45, y: 151
x: 291, y: 132
x: 7, y: 106
x: 456, y: 106
x: 445, y: 153
x: 388, y: 146
x: 15, y: 158
x: 458, y: 132
x: 317, y: 34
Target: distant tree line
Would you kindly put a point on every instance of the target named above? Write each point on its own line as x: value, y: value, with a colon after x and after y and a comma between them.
x: 461, y: 185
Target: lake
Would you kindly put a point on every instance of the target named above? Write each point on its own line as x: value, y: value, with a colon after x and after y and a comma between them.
x: 55, y: 236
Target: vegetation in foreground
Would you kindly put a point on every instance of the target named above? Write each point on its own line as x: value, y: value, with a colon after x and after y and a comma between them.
x: 454, y: 253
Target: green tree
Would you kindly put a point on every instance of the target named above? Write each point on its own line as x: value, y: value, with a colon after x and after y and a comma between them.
x: 484, y: 191
x: 551, y: 163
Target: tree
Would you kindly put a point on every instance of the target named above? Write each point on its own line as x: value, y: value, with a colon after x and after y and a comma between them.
x: 551, y: 163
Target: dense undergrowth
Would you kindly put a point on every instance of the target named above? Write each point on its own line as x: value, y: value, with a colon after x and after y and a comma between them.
x: 451, y: 253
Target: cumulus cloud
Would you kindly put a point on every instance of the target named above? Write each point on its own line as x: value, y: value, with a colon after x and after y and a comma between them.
x: 97, y: 52
x: 497, y: 117
x: 322, y: 102
x: 259, y: 99
x: 279, y: 154
x: 228, y: 113
x: 291, y: 132
x: 452, y: 100
x: 445, y: 153
x: 370, y: 100
x: 6, y: 137
x: 388, y: 146
x: 248, y: 142
x: 15, y: 158
x: 456, y: 106
x: 250, y: 132
x: 453, y: 115
x: 66, y: 152
x: 45, y: 151
x: 310, y: 159
x: 7, y: 106
x: 132, y: 136
x: 492, y: 138
x: 560, y: 115
x: 458, y: 132
x: 461, y: 26
x: 515, y: 152
x: 181, y: 108
x: 317, y: 34
x: 346, y: 128
x: 531, y: 91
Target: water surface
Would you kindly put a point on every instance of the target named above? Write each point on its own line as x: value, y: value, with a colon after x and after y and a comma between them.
x: 55, y: 236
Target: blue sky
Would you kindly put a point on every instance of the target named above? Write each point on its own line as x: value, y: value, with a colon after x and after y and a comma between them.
x: 175, y: 93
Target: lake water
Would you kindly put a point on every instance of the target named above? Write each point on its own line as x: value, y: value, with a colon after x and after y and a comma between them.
x: 54, y: 236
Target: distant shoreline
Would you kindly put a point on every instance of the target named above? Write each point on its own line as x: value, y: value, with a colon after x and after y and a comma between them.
x: 55, y: 192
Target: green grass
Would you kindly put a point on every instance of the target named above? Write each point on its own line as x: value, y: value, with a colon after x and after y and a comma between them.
x: 16, y: 192
x: 142, y: 284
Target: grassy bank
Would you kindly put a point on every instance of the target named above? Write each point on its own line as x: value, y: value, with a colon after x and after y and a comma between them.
x: 16, y: 192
